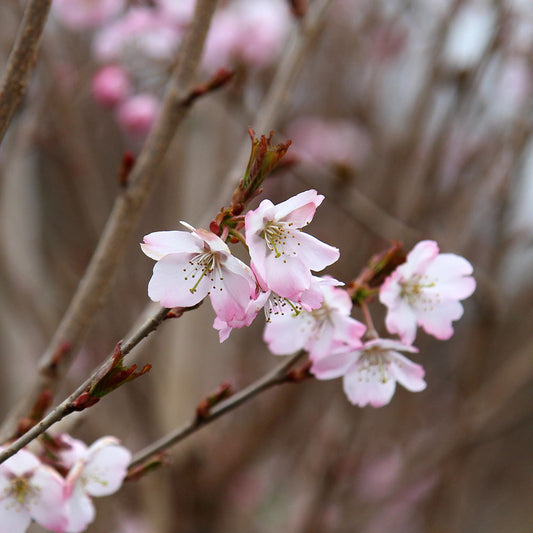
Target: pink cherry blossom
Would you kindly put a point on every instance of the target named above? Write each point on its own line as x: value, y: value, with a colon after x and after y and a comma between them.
x: 137, y: 114
x: 81, y: 14
x: 282, y: 255
x: 319, y: 331
x: 98, y: 471
x: 426, y: 290
x: 30, y: 490
x: 191, y: 266
x: 370, y: 373
x: 142, y: 32
x: 110, y: 85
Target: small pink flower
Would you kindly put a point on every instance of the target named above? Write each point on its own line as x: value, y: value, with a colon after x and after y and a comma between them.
x: 425, y: 291
x: 82, y: 14
x: 137, y: 114
x: 319, y: 331
x: 282, y: 255
x: 98, y: 471
x: 370, y: 373
x: 110, y: 85
x: 30, y: 490
x: 191, y: 266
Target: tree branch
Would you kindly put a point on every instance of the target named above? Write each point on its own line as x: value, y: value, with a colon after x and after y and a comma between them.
x: 275, y: 377
x: 22, y: 60
x: 96, y: 282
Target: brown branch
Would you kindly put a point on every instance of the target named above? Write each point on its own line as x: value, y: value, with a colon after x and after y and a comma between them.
x: 21, y: 60
x: 97, y: 280
x: 64, y: 408
x: 276, y: 376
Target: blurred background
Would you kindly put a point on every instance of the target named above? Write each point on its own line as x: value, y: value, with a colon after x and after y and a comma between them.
x: 414, y: 119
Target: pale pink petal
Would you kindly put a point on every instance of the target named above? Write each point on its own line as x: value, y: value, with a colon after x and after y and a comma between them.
x: 402, y: 320
x: 390, y: 291
x: 223, y: 329
x: 447, y: 266
x: 76, y: 450
x: 391, y: 344
x: 215, y: 243
x: 14, y: 518
x: 21, y: 463
x: 334, y: 366
x: 161, y: 243
x: 81, y: 511
x: 419, y: 258
x: 105, y: 469
x: 407, y: 373
x: 287, y: 277
x: 254, y: 221
x: 438, y: 321
x: 173, y: 284
x: 238, y: 268
x: 286, y: 334
x: 49, y: 509
x: 299, y: 209
x: 314, y: 254
x: 339, y: 299
x: 364, y: 387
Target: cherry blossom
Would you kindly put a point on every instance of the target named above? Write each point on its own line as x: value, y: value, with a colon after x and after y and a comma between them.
x: 191, y: 266
x: 426, y: 290
x: 30, y: 490
x: 110, y: 85
x: 282, y: 255
x: 99, y: 470
x: 80, y: 14
x: 319, y: 331
x: 370, y: 373
x: 137, y: 114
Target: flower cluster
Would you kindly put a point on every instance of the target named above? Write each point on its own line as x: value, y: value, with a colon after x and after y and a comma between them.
x: 305, y: 311
x: 135, y: 45
x: 56, y: 490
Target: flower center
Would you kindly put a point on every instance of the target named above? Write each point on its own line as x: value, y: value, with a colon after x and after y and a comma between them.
x: 200, y: 265
x: 277, y: 305
x: 20, y: 489
x: 276, y: 235
x: 374, y: 365
x: 414, y: 291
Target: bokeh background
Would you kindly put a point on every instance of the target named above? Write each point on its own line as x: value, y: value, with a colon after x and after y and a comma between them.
x: 414, y: 119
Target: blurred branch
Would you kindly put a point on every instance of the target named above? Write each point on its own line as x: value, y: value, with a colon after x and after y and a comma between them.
x: 96, y: 282
x: 274, y: 101
x: 65, y: 407
x: 21, y: 60
x: 276, y: 376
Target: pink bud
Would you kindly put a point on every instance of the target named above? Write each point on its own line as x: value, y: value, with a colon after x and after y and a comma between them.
x: 110, y: 86
x: 137, y: 114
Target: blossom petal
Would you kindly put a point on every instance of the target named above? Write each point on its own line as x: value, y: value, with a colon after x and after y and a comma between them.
x: 81, y: 511
x: 286, y: 334
x: 172, y: 283
x: 13, y: 516
x: 106, y: 469
x: 408, y: 374
x: 402, y: 320
x: 299, y: 209
x: 49, y: 508
x: 363, y: 387
x: 334, y: 366
x: 419, y: 258
x: 437, y: 321
x: 287, y: 277
x: 315, y: 254
x: 160, y: 243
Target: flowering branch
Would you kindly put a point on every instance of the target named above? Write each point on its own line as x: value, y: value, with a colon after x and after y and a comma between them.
x: 277, y: 376
x: 21, y: 60
x: 96, y: 283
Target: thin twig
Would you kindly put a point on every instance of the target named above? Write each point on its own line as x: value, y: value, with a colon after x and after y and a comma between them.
x: 97, y: 280
x: 21, y: 60
x: 275, y: 377
x: 274, y: 102
x: 62, y: 410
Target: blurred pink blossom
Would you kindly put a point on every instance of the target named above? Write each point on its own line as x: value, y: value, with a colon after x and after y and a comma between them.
x: 141, y: 31
x: 82, y: 14
x: 329, y: 142
x: 137, y: 114
x: 110, y: 85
